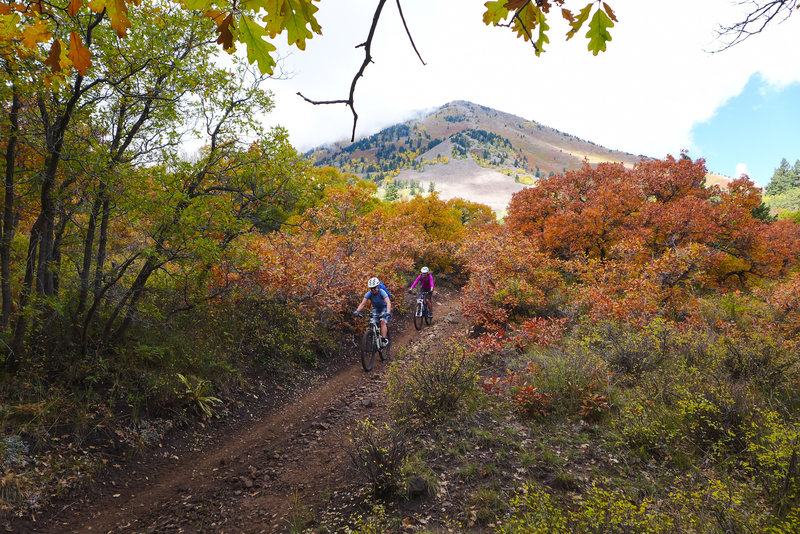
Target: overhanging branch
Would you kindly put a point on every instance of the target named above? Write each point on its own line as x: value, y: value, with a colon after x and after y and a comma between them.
x: 350, y: 100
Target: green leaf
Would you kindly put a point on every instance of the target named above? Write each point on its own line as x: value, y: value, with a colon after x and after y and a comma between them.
x: 543, y: 27
x: 294, y: 16
x: 577, y: 23
x: 258, y: 50
x: 198, y: 5
x: 495, y: 12
x: 298, y: 16
x: 598, y: 32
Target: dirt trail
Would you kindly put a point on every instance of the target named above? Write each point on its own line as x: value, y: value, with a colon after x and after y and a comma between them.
x: 249, y: 481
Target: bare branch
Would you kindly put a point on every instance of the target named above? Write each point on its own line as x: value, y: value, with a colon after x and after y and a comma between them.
x: 403, y: 18
x: 760, y: 14
x: 367, y: 60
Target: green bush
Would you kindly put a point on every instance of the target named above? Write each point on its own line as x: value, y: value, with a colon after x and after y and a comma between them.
x: 773, y: 449
x: 600, y: 511
x: 568, y: 375
x: 768, y: 363
x: 625, y: 348
x: 378, y: 454
x: 716, y: 506
x: 433, y: 385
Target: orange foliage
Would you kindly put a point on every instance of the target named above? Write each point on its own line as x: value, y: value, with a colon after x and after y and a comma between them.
x: 785, y: 298
x: 662, y: 206
x: 439, y: 224
x: 509, y: 276
x: 325, y: 264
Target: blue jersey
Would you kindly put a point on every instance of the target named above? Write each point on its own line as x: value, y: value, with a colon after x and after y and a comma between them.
x: 377, y: 299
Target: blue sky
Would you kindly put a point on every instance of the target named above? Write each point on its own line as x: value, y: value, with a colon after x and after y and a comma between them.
x: 752, y: 131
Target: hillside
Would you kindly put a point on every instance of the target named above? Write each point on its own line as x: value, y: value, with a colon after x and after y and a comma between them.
x: 467, y: 150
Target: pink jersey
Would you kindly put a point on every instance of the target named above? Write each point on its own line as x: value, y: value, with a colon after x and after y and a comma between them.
x: 426, y: 284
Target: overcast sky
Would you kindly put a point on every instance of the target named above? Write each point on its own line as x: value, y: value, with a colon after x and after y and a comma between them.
x: 657, y: 90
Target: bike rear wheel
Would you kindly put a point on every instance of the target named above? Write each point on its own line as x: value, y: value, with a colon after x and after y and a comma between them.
x: 368, y: 349
x: 418, y: 311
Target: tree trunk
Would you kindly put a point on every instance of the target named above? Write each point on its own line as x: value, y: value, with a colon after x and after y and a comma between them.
x: 101, y: 246
x: 8, y: 212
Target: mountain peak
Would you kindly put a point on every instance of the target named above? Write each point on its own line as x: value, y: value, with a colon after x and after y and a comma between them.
x: 461, y: 141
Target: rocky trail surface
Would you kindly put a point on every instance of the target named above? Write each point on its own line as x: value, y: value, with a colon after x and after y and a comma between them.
x: 251, y: 477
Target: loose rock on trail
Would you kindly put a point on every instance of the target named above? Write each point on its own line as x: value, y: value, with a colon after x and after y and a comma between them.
x: 250, y: 478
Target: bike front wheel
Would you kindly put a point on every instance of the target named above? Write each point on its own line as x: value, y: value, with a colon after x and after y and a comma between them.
x: 368, y: 348
x: 384, y: 352
x: 418, y: 311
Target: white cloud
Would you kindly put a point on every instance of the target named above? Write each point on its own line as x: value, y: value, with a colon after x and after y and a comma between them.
x: 741, y: 170
x: 643, y: 95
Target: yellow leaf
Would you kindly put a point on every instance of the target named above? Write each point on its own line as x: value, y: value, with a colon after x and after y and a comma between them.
x: 117, y: 11
x: 34, y: 34
x: 79, y: 54
x: 8, y: 27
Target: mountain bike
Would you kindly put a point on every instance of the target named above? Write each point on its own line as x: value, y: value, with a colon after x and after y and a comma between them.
x: 372, y: 341
x: 421, y: 311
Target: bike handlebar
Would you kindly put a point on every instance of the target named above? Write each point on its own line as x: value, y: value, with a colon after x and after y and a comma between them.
x: 381, y: 315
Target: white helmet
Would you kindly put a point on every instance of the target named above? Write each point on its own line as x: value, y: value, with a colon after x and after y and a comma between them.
x: 425, y: 270
x: 373, y: 282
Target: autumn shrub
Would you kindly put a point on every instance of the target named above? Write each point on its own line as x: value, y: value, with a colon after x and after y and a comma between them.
x: 432, y: 385
x: 510, y: 279
x: 519, y: 387
x: 378, y: 454
x: 784, y: 297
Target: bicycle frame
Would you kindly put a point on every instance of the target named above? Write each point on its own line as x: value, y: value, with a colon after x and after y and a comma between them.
x: 372, y: 341
x: 375, y: 324
x: 423, y: 305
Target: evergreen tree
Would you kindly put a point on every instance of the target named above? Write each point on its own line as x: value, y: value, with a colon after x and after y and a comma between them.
x: 431, y: 187
x: 392, y: 193
x: 762, y: 212
x: 784, y: 178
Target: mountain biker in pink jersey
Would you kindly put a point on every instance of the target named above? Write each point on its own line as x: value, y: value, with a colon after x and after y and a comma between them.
x: 425, y: 280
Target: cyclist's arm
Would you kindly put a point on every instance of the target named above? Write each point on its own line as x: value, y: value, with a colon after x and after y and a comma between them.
x: 363, y: 303
x: 431, y: 282
x: 388, y: 305
x: 415, y: 282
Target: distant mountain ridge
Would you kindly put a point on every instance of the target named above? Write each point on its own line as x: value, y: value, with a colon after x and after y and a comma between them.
x: 467, y: 150
x: 510, y: 141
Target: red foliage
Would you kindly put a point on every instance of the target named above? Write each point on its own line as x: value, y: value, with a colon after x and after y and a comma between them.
x: 642, y: 241
x: 509, y: 277
x: 518, y: 387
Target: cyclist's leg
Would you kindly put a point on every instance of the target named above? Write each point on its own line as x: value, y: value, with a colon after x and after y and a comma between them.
x: 384, y: 327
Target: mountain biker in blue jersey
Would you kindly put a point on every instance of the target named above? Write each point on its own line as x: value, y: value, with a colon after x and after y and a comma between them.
x: 380, y: 304
x: 425, y: 280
